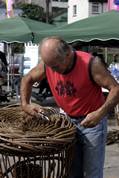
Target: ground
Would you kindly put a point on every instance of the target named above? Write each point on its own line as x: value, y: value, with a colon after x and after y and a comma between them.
x: 111, y: 168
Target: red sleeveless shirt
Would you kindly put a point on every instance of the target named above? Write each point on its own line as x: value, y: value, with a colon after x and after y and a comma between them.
x: 75, y: 92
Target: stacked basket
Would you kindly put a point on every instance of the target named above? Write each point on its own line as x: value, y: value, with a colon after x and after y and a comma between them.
x: 35, y: 147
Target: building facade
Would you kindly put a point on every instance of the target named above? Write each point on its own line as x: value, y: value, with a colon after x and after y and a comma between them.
x: 77, y: 9
x: 50, y: 3
x: 80, y: 9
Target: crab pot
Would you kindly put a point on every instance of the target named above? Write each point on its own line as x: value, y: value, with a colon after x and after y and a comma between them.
x: 35, y: 147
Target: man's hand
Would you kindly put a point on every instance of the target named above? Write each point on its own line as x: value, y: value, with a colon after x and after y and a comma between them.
x: 91, y: 120
x: 32, y: 109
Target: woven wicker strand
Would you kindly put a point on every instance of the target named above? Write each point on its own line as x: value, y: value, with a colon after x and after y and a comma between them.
x: 35, y: 147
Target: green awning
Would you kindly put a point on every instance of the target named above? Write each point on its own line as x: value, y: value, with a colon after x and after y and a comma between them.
x: 101, y: 27
x: 20, y: 29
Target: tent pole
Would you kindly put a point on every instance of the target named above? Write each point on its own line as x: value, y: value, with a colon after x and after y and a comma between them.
x: 105, y: 54
x: 9, y: 62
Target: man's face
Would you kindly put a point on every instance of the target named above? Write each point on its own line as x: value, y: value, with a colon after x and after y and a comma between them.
x: 58, y: 65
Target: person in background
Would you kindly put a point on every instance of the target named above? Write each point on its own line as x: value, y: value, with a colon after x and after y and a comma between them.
x: 116, y: 61
x: 3, y: 69
x: 75, y: 79
x: 3, y: 58
x: 114, y: 67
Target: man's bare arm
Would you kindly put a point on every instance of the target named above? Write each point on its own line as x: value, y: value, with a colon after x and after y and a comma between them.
x: 103, y: 78
x: 36, y: 74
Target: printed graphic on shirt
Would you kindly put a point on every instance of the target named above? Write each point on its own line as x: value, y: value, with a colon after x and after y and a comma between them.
x: 65, y: 89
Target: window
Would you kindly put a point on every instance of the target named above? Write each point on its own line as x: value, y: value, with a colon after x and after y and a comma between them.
x: 95, y: 8
x: 74, y: 10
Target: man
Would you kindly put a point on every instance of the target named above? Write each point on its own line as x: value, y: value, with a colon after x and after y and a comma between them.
x: 76, y: 78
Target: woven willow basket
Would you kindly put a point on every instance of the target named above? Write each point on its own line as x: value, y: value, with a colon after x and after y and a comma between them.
x: 35, y: 147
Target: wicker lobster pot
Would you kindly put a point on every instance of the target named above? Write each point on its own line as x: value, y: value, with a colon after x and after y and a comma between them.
x: 35, y: 147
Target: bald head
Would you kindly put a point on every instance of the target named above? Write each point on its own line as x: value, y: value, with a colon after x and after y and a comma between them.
x: 54, y: 48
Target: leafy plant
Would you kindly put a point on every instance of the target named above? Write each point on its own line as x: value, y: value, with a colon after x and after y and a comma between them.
x: 34, y: 12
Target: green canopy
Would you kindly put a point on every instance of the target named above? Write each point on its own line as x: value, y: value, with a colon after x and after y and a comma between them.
x: 19, y: 29
x: 101, y: 27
